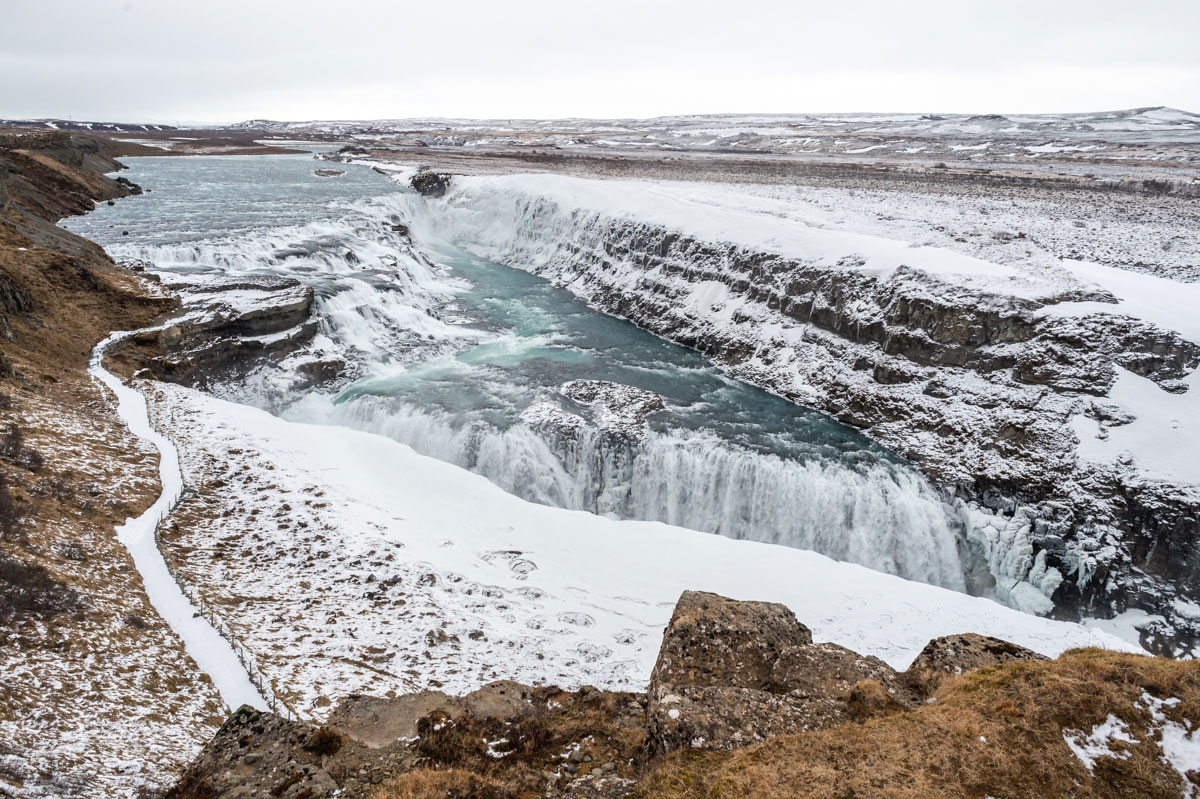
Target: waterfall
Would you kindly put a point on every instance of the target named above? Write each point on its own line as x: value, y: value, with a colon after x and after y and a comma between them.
x: 878, y: 514
x: 450, y: 353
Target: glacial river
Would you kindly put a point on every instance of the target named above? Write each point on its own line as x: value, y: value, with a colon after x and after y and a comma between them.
x: 460, y: 358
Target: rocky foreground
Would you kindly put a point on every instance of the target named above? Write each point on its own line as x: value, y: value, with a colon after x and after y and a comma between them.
x: 742, y: 702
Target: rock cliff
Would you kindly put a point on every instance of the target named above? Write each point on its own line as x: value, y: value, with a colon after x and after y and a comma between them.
x: 229, y: 328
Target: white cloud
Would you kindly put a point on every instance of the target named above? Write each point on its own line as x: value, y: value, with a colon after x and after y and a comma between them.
x: 226, y: 60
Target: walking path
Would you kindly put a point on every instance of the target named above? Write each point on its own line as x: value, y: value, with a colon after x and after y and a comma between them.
x: 212, y: 653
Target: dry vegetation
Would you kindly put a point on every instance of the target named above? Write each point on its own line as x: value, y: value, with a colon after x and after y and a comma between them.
x: 488, y: 758
x: 997, y: 732
x: 82, y: 646
x: 1001, y: 731
x: 447, y: 784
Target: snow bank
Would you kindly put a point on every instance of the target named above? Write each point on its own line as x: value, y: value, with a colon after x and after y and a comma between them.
x: 524, y: 591
x: 212, y: 653
x: 1163, y: 440
x: 721, y: 216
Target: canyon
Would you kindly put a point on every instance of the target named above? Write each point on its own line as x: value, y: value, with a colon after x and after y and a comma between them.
x: 967, y: 377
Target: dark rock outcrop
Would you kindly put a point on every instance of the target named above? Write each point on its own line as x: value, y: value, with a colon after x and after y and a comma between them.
x: 598, y: 432
x: 257, y: 754
x: 731, y: 674
x: 229, y: 328
x: 616, y: 405
x: 429, y: 183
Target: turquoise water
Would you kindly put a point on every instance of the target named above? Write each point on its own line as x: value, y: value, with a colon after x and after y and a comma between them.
x: 450, y: 354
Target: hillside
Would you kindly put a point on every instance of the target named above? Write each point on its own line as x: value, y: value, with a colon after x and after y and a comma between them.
x: 83, y: 647
x: 742, y: 703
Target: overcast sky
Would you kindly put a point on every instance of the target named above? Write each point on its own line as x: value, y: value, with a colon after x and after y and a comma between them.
x: 230, y: 60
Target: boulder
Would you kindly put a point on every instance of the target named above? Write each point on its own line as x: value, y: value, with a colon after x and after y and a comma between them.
x: 731, y: 674
x: 606, y: 786
x: 254, y: 755
x: 958, y: 654
x: 715, y: 641
x: 377, y: 722
x: 831, y: 678
x: 429, y: 183
x: 502, y: 699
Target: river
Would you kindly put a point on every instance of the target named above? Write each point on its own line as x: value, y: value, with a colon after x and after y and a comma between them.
x: 465, y: 360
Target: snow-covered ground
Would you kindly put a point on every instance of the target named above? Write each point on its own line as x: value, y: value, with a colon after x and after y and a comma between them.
x: 213, y: 654
x: 100, y: 701
x: 347, y: 563
x: 746, y: 217
x: 1025, y: 140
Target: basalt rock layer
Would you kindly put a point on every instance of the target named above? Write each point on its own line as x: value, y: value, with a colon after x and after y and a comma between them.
x: 229, y: 328
x: 977, y: 387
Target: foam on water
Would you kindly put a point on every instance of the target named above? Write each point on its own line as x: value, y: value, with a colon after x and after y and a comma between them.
x: 877, y: 514
x: 452, y: 349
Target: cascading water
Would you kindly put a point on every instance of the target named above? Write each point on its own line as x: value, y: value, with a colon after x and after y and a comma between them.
x: 452, y: 353
x: 881, y: 515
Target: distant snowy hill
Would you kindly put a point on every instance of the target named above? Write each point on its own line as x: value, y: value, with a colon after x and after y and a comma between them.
x: 777, y: 129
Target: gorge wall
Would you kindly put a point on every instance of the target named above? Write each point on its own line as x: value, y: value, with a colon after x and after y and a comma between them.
x: 978, y: 387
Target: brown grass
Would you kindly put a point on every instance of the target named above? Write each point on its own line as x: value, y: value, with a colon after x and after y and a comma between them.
x: 325, y: 741
x: 604, y: 725
x: 27, y: 589
x: 194, y: 784
x: 997, y: 732
x: 67, y: 584
x: 425, y: 783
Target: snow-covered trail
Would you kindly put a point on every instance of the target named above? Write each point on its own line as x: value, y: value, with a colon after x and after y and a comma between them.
x: 212, y: 653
